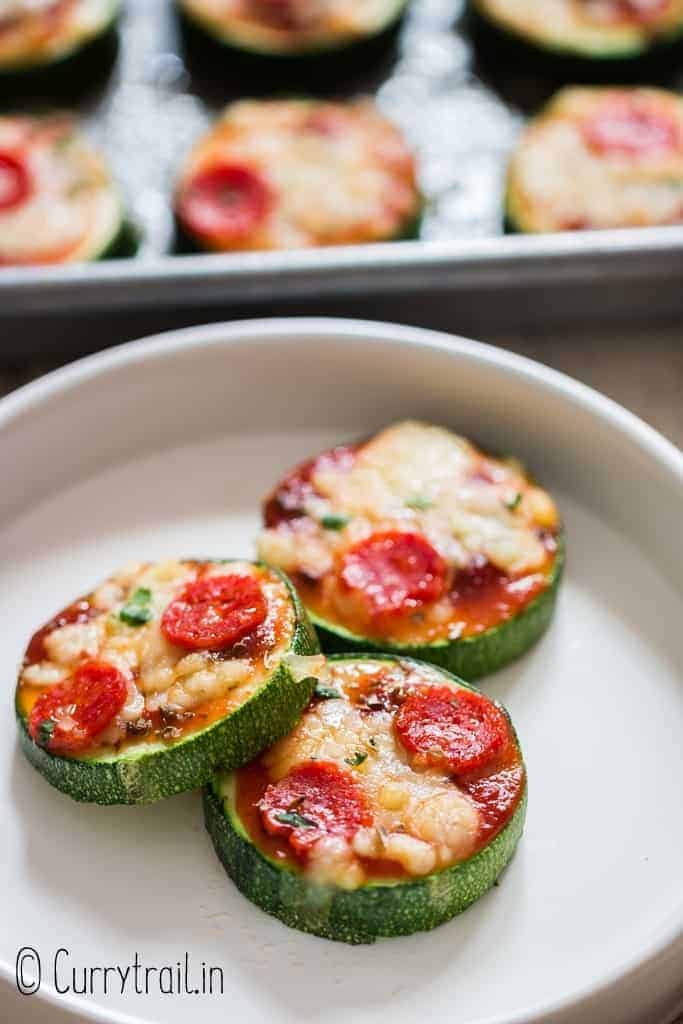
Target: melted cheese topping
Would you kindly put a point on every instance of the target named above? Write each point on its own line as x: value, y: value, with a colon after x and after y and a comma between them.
x: 557, y: 182
x: 413, y: 476
x: 416, y: 478
x: 340, y: 173
x: 72, y: 211
x: 422, y: 820
x: 185, y: 687
x: 309, y: 24
x: 41, y: 31
x: 591, y: 27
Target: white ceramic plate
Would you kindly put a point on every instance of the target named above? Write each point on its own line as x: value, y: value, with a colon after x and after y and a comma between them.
x: 166, y: 447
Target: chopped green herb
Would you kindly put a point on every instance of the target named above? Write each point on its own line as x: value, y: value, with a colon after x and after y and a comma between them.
x: 45, y: 731
x: 513, y: 503
x: 333, y: 522
x: 326, y: 693
x: 419, y: 503
x: 357, y: 759
x: 294, y: 819
x: 137, y: 611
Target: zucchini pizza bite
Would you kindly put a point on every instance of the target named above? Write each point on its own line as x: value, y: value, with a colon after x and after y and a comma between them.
x: 599, y: 158
x: 292, y: 28
x: 393, y: 805
x: 58, y: 203
x: 588, y: 29
x: 166, y: 670
x: 38, y: 35
x: 282, y: 174
x: 416, y: 542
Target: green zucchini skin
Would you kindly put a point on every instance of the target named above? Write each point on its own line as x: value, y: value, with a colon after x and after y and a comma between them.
x: 362, y: 915
x: 567, y: 60
x: 471, y: 657
x: 214, y: 61
x: 143, y: 777
x: 230, y: 46
x: 67, y: 76
x: 124, y: 245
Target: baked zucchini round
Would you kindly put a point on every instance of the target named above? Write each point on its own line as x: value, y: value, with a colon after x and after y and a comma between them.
x: 599, y: 158
x: 46, y: 35
x: 143, y: 687
x: 292, y: 28
x: 285, y: 174
x: 417, y: 543
x: 603, y: 30
x: 58, y: 203
x: 393, y: 805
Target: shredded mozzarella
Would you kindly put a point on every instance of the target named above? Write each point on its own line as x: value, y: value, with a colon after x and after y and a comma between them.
x: 415, y: 476
x: 160, y: 675
x: 353, y: 182
x: 557, y: 182
x: 421, y: 819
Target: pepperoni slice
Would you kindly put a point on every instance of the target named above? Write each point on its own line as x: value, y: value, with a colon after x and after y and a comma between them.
x: 456, y: 730
x: 394, y: 571
x: 316, y: 799
x: 15, y: 182
x: 66, y: 718
x: 214, y: 613
x: 635, y: 11
x: 225, y: 203
x: 289, y: 498
x: 629, y: 126
x: 288, y: 14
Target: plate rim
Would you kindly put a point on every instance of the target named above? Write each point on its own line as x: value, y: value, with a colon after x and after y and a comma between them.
x: 664, y: 453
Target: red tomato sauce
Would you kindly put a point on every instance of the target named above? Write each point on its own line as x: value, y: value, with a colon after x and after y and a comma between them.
x: 78, y: 612
x: 482, y: 596
x: 288, y: 499
x: 163, y: 723
x: 495, y: 788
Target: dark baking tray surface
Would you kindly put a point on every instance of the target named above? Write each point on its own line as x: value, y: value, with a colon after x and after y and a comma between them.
x: 460, y: 101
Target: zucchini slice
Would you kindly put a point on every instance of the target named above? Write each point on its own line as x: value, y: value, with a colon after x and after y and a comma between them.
x: 143, y: 687
x: 293, y: 28
x: 416, y: 543
x: 595, y: 30
x: 599, y: 158
x: 54, y: 36
x: 394, y: 804
x: 58, y: 203
x: 281, y: 174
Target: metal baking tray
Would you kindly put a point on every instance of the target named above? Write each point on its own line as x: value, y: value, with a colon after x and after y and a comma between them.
x: 461, y: 108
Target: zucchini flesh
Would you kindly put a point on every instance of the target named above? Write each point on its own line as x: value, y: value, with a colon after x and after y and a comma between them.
x: 377, y: 909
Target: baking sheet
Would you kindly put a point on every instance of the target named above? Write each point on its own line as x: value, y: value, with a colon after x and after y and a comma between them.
x: 461, y: 109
